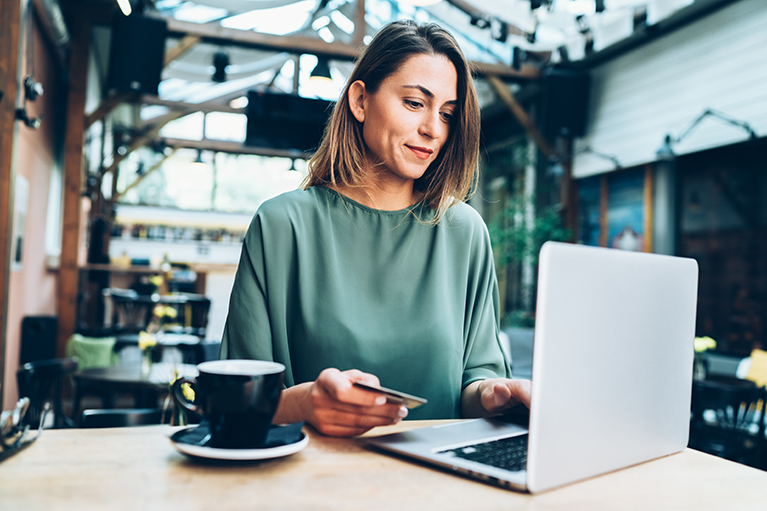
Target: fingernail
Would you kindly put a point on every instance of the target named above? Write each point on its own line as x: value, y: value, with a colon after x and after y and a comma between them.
x: 402, y: 412
x: 380, y: 400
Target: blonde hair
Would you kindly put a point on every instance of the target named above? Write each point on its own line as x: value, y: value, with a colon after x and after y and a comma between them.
x: 340, y: 158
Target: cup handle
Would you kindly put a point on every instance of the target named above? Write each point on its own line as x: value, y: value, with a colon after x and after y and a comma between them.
x: 180, y: 399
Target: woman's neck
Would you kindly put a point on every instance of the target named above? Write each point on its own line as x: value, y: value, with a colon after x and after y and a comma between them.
x: 382, y: 194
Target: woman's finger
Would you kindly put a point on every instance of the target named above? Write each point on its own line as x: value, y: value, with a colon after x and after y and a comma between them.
x: 353, y: 420
x: 324, y: 400
x: 340, y: 387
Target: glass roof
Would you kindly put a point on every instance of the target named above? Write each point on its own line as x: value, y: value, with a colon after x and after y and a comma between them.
x: 488, y: 31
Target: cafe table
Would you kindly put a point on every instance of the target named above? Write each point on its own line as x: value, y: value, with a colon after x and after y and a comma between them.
x: 139, y: 469
x: 106, y: 382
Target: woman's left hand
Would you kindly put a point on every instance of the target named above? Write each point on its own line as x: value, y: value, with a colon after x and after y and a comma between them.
x: 494, y: 396
x: 499, y: 394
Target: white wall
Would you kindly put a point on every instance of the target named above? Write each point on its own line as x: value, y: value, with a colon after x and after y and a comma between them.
x: 717, y: 62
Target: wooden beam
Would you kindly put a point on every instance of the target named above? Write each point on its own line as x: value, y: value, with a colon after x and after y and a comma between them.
x: 119, y: 98
x: 10, y: 19
x: 360, y: 24
x: 143, y: 140
x: 107, y: 105
x: 522, y: 117
x: 485, y: 69
x: 206, y: 107
x: 116, y: 197
x: 216, y: 34
x: 73, y: 182
x: 221, y: 146
x: 648, y: 207
x: 183, y: 46
x: 604, y: 199
x: 158, y: 123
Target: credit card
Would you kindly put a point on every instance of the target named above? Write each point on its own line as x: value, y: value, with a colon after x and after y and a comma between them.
x: 393, y: 396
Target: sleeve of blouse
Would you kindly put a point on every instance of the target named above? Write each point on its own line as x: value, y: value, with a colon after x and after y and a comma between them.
x: 247, y: 333
x: 483, y: 355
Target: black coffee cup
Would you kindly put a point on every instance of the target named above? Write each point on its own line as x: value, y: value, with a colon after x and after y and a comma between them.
x: 238, y: 398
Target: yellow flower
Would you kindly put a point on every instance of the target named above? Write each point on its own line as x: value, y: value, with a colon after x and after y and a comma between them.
x: 188, y: 392
x: 165, y: 311
x: 704, y: 343
x: 157, y: 280
x: 146, y: 340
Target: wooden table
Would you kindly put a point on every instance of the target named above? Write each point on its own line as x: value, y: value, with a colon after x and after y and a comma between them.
x: 138, y: 469
x: 105, y: 382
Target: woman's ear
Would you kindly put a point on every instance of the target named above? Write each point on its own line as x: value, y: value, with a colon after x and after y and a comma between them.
x: 357, y: 93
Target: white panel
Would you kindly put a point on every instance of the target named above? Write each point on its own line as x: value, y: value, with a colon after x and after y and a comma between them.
x: 718, y: 62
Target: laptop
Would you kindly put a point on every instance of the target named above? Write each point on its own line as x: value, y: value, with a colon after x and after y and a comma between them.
x: 612, y: 376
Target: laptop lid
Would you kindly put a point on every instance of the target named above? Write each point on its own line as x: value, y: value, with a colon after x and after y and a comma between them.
x: 612, y: 361
x: 612, y: 372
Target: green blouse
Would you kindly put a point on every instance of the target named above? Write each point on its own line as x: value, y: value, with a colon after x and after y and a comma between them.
x: 324, y: 281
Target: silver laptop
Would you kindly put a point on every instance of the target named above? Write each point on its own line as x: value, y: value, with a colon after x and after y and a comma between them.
x: 612, y: 376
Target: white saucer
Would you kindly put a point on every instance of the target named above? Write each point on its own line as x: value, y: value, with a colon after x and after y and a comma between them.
x: 241, y: 454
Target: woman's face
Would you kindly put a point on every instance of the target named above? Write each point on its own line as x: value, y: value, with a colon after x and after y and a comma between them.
x: 406, y: 122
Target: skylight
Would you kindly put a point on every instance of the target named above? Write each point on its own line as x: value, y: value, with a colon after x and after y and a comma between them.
x: 278, y: 20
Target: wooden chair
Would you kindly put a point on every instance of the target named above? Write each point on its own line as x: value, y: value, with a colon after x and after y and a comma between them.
x: 41, y: 381
x: 119, y: 418
x: 131, y: 312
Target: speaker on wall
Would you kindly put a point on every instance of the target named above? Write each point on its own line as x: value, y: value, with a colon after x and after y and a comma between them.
x: 38, y: 338
x: 564, y: 102
x: 285, y: 121
x: 137, y: 54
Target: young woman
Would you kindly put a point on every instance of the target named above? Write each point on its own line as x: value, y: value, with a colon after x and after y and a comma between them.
x: 377, y: 270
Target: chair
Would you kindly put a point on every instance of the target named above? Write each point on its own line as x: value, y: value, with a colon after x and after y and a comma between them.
x: 194, y: 315
x: 119, y: 418
x: 130, y: 312
x: 91, y: 351
x: 728, y: 420
x: 41, y: 381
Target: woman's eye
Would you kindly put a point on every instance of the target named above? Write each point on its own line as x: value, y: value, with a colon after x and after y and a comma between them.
x: 447, y: 116
x: 413, y: 104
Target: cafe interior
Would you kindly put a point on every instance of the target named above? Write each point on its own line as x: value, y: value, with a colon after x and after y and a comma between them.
x: 139, y: 137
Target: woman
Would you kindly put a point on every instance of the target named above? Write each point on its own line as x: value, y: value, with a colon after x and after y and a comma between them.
x: 377, y: 269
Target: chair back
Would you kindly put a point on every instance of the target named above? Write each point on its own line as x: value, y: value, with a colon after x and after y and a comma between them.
x: 40, y: 381
x: 131, y: 312
x: 728, y: 420
x: 121, y: 417
x: 38, y: 338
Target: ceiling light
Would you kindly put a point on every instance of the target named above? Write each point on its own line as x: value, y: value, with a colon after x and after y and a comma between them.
x: 220, y: 61
x: 599, y: 6
x: 499, y: 30
x: 321, y: 72
x: 479, y: 22
x: 198, y: 162
x: 124, y: 6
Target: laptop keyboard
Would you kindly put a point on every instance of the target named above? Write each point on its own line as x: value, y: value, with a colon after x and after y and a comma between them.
x: 506, y: 453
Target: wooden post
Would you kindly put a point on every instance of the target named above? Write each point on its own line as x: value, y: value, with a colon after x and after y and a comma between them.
x: 10, y: 18
x: 520, y: 115
x: 648, y: 207
x: 603, y: 203
x: 73, y: 181
x: 359, y: 24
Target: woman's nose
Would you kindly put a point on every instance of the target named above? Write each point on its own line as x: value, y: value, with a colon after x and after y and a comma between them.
x: 430, y: 125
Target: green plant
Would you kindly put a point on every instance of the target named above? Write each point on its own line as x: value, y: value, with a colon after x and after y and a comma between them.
x: 516, y: 240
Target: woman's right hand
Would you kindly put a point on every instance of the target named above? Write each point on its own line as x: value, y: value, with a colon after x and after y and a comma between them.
x: 335, y: 407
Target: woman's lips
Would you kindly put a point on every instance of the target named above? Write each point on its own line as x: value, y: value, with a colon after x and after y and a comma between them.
x: 421, y: 152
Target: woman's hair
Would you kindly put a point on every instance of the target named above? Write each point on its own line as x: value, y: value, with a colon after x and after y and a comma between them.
x: 340, y: 159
